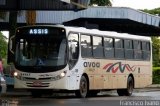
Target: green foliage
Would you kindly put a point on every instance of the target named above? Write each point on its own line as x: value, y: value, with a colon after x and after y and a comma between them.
x: 3, y: 46
x: 155, y: 11
x: 101, y: 2
x: 156, y: 51
x: 156, y: 75
x: 155, y: 40
x: 156, y: 68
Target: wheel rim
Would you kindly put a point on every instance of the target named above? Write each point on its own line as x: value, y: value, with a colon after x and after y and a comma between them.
x: 130, y: 87
x: 83, y: 88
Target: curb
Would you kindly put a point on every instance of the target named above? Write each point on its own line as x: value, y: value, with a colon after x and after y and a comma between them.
x: 154, y: 86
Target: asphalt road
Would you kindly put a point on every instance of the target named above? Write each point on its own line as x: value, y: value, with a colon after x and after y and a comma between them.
x: 149, y: 97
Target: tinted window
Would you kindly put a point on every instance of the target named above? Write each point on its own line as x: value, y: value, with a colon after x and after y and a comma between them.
x: 109, y: 47
x: 108, y: 42
x: 97, y: 47
x: 86, y: 47
x: 146, y: 50
x: 128, y: 45
x: 118, y: 43
x: 137, y: 50
x: 146, y: 46
x: 137, y: 45
x: 119, y: 50
x: 73, y: 41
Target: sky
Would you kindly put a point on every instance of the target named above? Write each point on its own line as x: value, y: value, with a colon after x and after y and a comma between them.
x: 136, y: 4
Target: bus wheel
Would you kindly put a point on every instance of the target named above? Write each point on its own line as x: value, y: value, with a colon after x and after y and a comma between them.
x: 130, y: 86
x: 128, y: 91
x: 83, y: 88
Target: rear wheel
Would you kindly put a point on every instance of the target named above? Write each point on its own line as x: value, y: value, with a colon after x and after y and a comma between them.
x: 129, y: 90
x: 83, y: 88
x: 130, y: 86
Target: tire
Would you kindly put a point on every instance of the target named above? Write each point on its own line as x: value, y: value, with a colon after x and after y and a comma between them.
x: 129, y: 90
x: 83, y: 88
x: 130, y: 86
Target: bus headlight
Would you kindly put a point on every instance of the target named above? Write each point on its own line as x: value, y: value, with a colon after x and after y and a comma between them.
x: 63, y: 74
x: 15, y: 74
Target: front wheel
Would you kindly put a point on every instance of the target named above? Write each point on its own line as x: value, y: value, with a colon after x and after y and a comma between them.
x: 83, y: 88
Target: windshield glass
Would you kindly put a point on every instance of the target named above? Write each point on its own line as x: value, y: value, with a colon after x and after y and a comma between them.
x: 41, y: 51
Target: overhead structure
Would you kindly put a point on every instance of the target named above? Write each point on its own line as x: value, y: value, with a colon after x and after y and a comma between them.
x: 120, y: 19
x: 43, y: 4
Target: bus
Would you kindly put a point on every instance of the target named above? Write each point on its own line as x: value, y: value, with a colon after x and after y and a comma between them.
x: 50, y: 58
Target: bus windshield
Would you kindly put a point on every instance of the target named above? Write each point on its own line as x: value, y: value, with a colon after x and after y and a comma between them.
x: 42, y: 51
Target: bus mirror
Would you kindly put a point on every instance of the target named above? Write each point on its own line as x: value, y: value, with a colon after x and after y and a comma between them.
x: 11, y: 41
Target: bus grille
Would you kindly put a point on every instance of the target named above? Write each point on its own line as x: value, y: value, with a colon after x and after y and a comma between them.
x: 32, y: 79
x: 37, y: 83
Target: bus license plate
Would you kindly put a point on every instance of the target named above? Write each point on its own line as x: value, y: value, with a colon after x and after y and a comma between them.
x: 37, y: 83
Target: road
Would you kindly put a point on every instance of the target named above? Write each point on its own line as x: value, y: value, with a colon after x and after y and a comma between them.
x: 139, y: 98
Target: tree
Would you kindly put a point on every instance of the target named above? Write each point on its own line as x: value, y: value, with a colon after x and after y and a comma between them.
x: 155, y: 40
x: 155, y: 11
x: 156, y: 51
x: 3, y: 46
x: 101, y: 2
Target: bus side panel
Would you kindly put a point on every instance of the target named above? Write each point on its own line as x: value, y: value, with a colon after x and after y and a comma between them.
x: 113, y: 74
x: 141, y: 71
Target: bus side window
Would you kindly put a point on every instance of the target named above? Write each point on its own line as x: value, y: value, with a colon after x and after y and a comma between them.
x: 146, y: 50
x: 137, y: 50
x: 97, y: 47
x: 86, y: 46
x: 119, y: 48
x: 128, y: 45
x: 73, y: 49
x: 109, y: 47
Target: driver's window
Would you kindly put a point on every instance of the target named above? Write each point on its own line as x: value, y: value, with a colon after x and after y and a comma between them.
x: 73, y: 48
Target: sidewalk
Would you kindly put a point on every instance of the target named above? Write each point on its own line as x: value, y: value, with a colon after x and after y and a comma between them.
x: 150, y: 88
x: 154, y: 86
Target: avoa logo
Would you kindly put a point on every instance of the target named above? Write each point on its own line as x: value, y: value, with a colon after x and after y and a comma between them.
x: 91, y: 64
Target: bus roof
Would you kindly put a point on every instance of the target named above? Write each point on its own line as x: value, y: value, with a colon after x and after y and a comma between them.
x: 107, y: 33
x: 98, y: 32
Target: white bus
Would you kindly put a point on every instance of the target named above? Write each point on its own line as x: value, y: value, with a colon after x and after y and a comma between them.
x: 59, y: 58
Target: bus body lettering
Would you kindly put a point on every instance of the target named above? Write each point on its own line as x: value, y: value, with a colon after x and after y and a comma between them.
x: 91, y: 64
